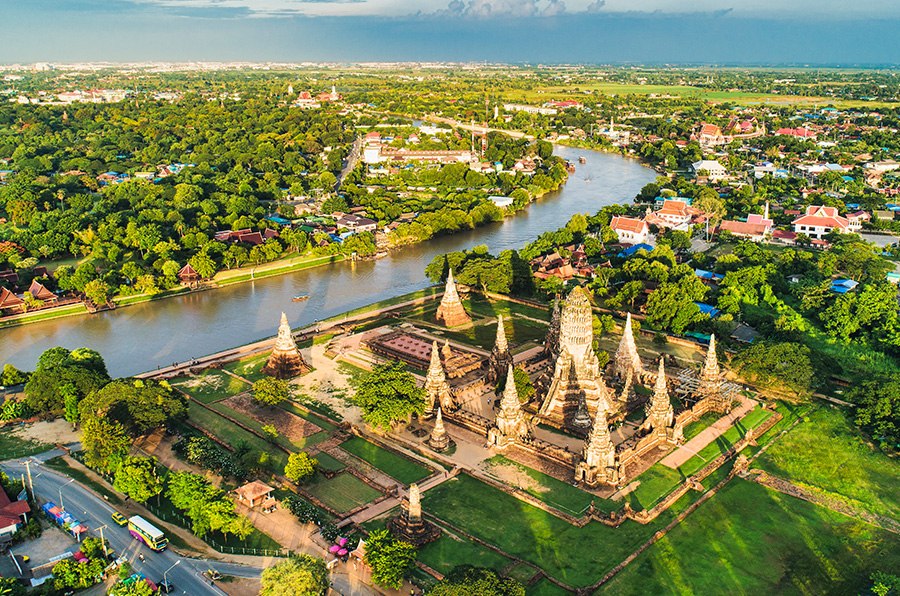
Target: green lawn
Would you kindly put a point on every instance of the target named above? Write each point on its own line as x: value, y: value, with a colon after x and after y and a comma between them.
x: 395, y: 466
x: 828, y: 454
x: 13, y: 446
x: 695, y: 428
x: 308, y: 416
x: 555, y: 493
x: 448, y: 551
x: 750, y: 540
x: 545, y: 587
x: 342, y: 493
x: 249, y: 368
x: 491, y: 308
x: 232, y: 434
x: 577, y: 556
x: 327, y: 462
x: 211, y: 385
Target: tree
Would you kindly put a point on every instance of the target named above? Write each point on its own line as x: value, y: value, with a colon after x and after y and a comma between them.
x: 671, y: 306
x: 300, y: 575
x: 777, y: 365
x: 270, y: 391
x: 878, y: 408
x: 203, y: 265
x: 10, y: 586
x: 466, y: 580
x: 57, y: 368
x: 12, y: 376
x: 136, y: 588
x: 710, y: 203
x: 524, y: 387
x: 104, y: 443
x: 388, y: 394
x: 137, y: 478
x: 70, y: 403
x: 300, y: 466
x: 139, y: 405
x: 389, y: 559
x: 97, y: 291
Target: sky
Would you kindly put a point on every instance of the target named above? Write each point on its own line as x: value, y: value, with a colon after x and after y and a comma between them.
x: 796, y: 32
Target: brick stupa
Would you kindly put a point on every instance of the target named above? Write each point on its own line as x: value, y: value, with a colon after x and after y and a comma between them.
x: 451, y: 312
x: 285, y: 360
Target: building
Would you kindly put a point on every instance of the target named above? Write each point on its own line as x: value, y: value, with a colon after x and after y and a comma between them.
x: 756, y: 228
x: 710, y: 135
x: 518, y: 107
x: 255, y: 494
x: 819, y: 221
x: 673, y: 214
x: 355, y: 223
x: 797, y: 133
x: 714, y: 170
x: 12, y: 514
x: 630, y: 230
x: 856, y: 220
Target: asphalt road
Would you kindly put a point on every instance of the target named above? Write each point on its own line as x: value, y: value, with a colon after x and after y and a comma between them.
x: 187, y: 577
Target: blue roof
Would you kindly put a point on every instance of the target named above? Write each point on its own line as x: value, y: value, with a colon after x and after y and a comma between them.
x: 707, y: 309
x: 633, y: 249
x: 842, y: 286
x: 704, y: 274
x: 851, y: 205
x: 847, y: 178
x: 279, y: 220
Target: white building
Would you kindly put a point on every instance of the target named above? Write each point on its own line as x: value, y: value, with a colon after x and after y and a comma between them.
x: 819, y: 221
x: 520, y: 107
x: 630, y: 230
x: 714, y: 170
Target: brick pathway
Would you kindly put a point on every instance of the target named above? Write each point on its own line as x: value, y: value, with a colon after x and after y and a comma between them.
x: 708, y: 435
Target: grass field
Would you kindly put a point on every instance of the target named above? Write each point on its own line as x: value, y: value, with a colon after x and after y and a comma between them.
x: 828, y: 454
x: 695, y: 428
x: 518, y: 330
x: 13, y: 446
x: 750, y: 540
x: 343, y: 492
x: 398, y: 468
x: 315, y: 419
x: 232, y: 434
x: 447, y: 552
x: 291, y: 444
x: 548, y: 489
x: 211, y: 385
x: 249, y: 368
x: 327, y: 462
x: 545, y: 587
x: 577, y: 556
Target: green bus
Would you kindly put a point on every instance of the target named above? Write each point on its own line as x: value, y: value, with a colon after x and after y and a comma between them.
x: 147, y: 533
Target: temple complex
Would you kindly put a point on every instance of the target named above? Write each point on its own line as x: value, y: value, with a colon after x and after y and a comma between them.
x: 711, y: 381
x: 437, y: 389
x: 660, y: 413
x: 450, y: 311
x: 510, y: 425
x: 501, y: 358
x: 576, y: 375
x: 409, y: 524
x: 627, y: 359
x: 285, y: 360
x: 439, y: 439
x: 416, y: 350
x: 598, y: 463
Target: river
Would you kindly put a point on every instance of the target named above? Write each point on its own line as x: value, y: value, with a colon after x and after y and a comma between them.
x: 141, y: 337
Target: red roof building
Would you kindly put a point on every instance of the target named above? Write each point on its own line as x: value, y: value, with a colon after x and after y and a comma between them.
x: 9, y: 302
x: 819, y: 221
x: 630, y: 230
x: 41, y: 293
x: 12, y: 513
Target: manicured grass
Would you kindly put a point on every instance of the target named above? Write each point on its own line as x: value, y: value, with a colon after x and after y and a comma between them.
x: 828, y: 454
x: 61, y: 465
x: 425, y: 293
x: 249, y: 368
x: 279, y: 267
x: 695, y: 428
x: 232, y: 434
x: 490, y: 307
x: 45, y: 315
x: 399, y: 468
x: 577, y: 556
x: 343, y: 492
x: 483, y: 335
x: 13, y: 446
x: 522, y: 572
x: 555, y: 493
x: 655, y: 483
x: 327, y: 462
x: 545, y: 587
x: 750, y: 540
x: 139, y: 298
x: 211, y: 385
x: 448, y: 551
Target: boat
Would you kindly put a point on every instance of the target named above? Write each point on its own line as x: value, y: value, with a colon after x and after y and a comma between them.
x: 582, y: 159
x: 300, y: 297
x: 570, y: 167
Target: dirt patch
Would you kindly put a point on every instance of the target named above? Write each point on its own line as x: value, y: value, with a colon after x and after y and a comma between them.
x: 240, y: 586
x: 204, y: 382
x: 514, y: 475
x: 289, y: 425
x: 51, y: 432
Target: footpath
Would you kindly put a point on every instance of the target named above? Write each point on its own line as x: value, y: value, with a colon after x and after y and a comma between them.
x: 678, y: 457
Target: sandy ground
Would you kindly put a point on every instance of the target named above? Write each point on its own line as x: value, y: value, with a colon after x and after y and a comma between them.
x: 327, y: 384
x: 52, y: 432
x: 240, y: 586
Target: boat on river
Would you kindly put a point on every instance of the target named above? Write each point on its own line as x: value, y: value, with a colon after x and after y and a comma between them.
x: 300, y: 298
x: 582, y: 159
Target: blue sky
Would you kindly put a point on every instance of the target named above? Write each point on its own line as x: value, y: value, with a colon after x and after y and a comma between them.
x: 550, y: 31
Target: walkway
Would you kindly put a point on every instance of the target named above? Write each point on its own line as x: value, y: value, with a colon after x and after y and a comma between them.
x: 678, y: 457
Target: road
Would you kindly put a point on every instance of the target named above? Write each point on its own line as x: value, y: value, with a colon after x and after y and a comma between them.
x: 95, y: 512
x: 350, y: 162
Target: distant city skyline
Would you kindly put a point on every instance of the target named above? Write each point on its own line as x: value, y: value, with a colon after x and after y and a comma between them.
x: 797, y: 32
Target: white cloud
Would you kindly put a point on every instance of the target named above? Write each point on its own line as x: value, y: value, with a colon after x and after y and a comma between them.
x: 505, y: 8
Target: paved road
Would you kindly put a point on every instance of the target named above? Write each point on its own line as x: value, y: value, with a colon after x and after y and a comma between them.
x: 350, y: 162
x: 95, y: 512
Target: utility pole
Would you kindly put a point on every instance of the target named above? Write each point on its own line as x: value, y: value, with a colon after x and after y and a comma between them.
x: 103, y: 540
x: 30, y: 483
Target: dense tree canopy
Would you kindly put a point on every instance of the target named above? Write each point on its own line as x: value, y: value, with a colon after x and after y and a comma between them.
x: 387, y: 395
x: 300, y: 575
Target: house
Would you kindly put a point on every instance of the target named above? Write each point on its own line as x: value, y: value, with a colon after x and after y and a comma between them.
x: 355, y: 223
x: 819, y: 221
x: 710, y: 135
x: 856, y: 220
x: 797, y: 133
x: 187, y: 275
x: 756, y: 228
x: 842, y: 286
x: 40, y: 292
x: 633, y: 249
x: 714, y: 170
x: 254, y: 494
x: 12, y: 514
x: 629, y: 229
x: 673, y: 214
x: 708, y: 277
x: 9, y: 302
